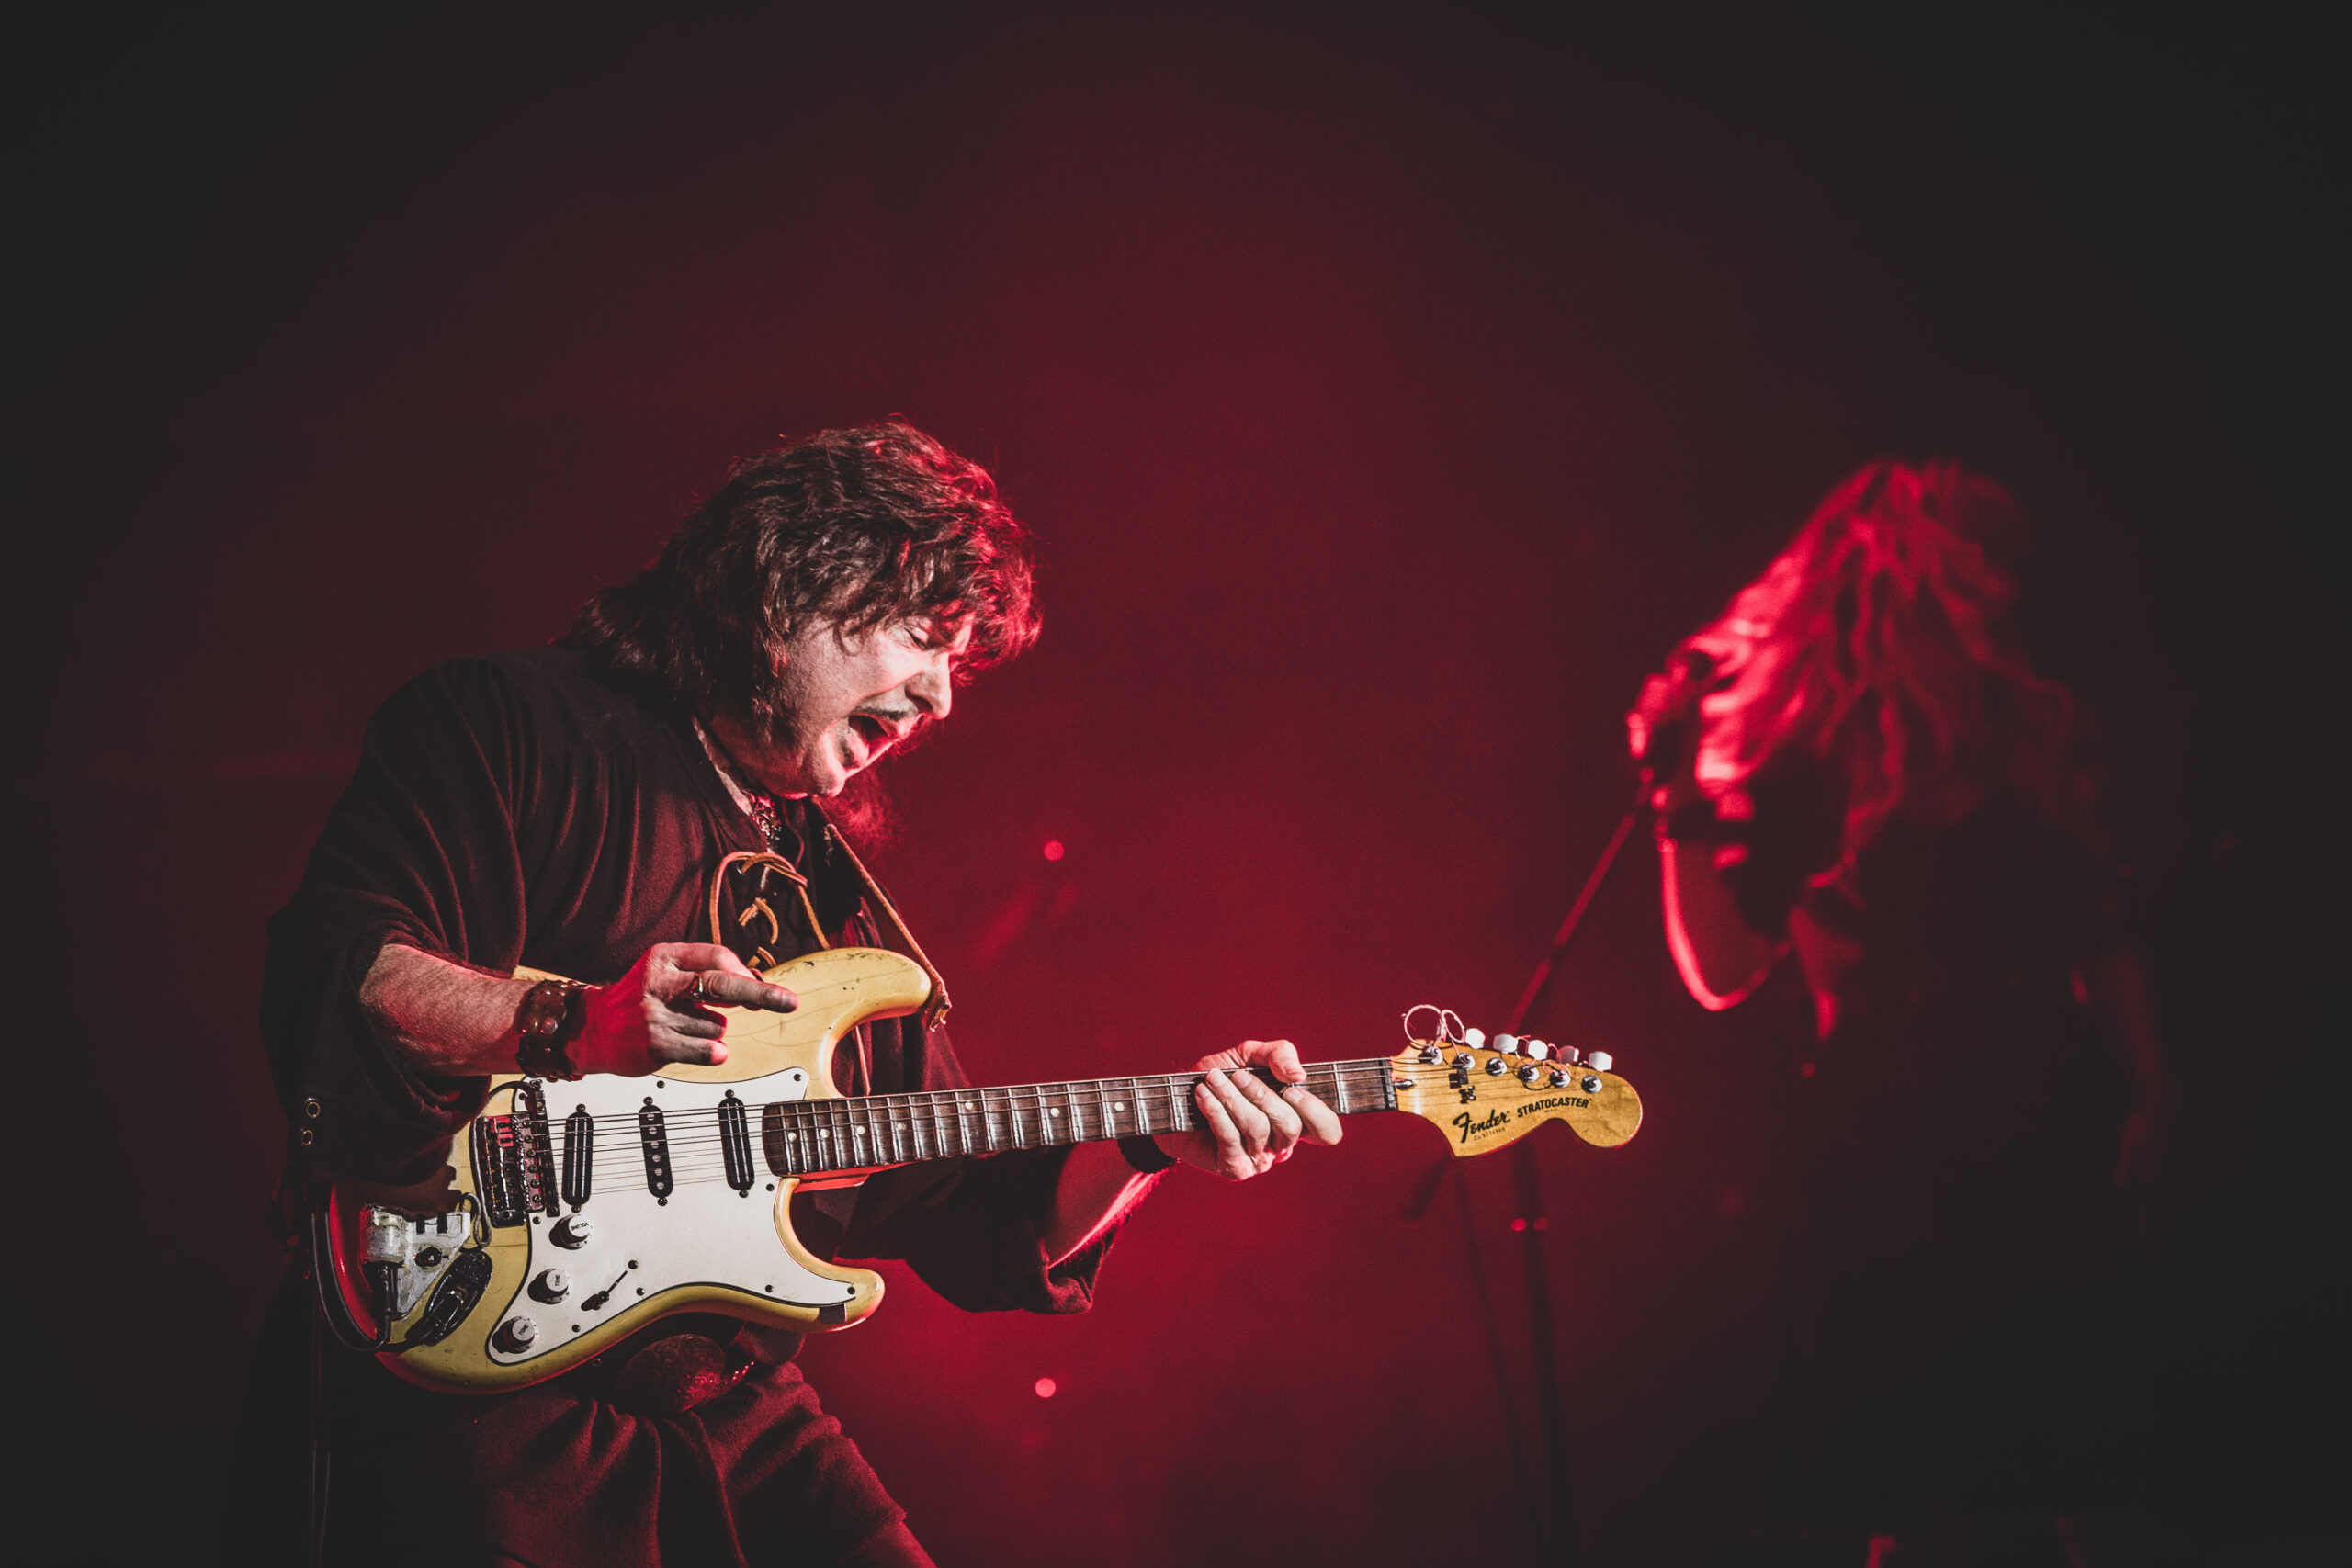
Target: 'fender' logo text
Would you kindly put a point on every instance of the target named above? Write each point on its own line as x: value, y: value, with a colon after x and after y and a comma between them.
x: 1470, y: 1128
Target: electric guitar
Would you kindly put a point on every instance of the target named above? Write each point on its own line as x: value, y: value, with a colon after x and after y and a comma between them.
x: 574, y: 1214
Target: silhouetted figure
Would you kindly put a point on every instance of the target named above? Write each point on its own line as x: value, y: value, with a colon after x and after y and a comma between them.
x: 1857, y: 765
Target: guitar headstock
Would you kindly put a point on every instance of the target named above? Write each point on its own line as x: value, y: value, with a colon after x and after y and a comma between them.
x: 1483, y: 1094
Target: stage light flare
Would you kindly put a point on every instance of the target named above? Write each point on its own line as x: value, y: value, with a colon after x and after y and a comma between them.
x: 1045, y: 1388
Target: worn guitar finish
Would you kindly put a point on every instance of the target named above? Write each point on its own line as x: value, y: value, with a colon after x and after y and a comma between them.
x: 574, y: 1214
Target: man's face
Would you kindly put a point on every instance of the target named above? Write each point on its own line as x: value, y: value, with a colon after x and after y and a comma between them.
x: 846, y: 702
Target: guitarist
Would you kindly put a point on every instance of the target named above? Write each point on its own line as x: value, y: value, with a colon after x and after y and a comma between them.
x: 637, y: 807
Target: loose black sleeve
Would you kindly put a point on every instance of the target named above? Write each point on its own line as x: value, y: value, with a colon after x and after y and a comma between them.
x: 972, y: 1229
x: 420, y: 851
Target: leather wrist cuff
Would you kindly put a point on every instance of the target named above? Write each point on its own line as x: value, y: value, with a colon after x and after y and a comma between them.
x: 552, y: 1015
x: 1144, y: 1153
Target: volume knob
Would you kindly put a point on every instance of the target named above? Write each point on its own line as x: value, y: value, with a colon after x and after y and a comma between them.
x: 552, y: 1285
x: 517, y: 1335
x: 572, y: 1231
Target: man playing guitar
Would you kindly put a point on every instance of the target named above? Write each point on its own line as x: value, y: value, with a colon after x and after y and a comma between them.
x: 637, y: 807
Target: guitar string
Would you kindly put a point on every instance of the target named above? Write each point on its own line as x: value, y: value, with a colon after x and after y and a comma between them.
x: 918, y: 1103
x: 1373, y: 1069
x: 905, y: 1120
x: 971, y: 1131
x: 834, y: 1136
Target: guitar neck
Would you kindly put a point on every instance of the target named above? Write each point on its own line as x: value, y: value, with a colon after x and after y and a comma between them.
x: 817, y: 1138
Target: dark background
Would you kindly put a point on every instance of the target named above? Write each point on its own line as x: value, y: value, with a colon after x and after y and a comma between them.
x: 1389, y: 390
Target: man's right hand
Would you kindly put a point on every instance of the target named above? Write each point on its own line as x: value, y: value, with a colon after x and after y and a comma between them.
x: 657, y: 1013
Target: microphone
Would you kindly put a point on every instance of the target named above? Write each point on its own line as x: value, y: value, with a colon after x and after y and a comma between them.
x: 1662, y: 731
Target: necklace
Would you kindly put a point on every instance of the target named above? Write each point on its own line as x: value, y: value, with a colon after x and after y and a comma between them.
x: 765, y: 810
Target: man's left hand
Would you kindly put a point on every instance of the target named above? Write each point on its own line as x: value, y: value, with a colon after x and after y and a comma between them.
x: 1251, y: 1128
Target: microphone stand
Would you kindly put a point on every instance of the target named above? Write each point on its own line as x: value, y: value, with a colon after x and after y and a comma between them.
x: 1550, y: 1411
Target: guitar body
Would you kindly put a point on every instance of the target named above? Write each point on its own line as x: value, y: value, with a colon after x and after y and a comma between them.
x: 504, y: 1282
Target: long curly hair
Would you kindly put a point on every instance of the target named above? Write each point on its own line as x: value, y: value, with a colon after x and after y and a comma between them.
x: 1882, y: 645
x: 859, y: 527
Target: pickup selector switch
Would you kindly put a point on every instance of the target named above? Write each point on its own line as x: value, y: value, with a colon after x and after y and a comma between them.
x: 551, y: 1286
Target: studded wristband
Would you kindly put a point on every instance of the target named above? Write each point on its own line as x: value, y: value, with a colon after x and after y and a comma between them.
x: 552, y: 1015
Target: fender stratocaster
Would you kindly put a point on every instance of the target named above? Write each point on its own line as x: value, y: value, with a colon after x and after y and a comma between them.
x: 575, y: 1214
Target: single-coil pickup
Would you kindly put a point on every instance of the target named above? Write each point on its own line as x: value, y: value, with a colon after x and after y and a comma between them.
x: 735, y: 1142
x: 578, y: 1155
x: 654, y: 1134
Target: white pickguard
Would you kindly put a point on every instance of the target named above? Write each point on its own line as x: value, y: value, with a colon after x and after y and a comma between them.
x: 704, y: 1233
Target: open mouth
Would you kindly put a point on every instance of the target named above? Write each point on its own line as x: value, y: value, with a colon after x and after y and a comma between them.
x: 874, y: 736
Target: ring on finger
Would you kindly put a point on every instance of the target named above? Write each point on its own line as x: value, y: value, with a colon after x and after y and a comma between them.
x: 694, y: 993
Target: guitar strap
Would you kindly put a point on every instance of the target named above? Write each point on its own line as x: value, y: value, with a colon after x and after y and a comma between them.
x: 934, y: 1011
x: 754, y: 873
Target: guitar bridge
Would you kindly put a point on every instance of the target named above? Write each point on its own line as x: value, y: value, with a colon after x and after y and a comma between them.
x: 513, y: 1159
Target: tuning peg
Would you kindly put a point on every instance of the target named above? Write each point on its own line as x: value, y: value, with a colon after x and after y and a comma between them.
x: 1507, y: 1043
x: 1598, y: 1061
x: 1568, y: 1054
x: 1535, y: 1049
x: 1474, y: 1037
x: 1559, y: 1078
x: 1529, y: 1072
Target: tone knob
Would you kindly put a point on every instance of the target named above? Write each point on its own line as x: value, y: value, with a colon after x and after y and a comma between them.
x: 1536, y: 1048
x: 551, y: 1286
x: 1598, y: 1061
x: 1497, y: 1067
x: 517, y: 1334
x: 1506, y: 1043
x: 572, y: 1231
x: 1474, y: 1037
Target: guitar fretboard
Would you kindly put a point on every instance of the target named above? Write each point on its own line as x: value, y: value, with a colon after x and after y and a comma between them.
x: 811, y: 1137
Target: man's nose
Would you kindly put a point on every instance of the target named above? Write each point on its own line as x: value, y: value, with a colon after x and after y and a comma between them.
x: 933, y: 688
